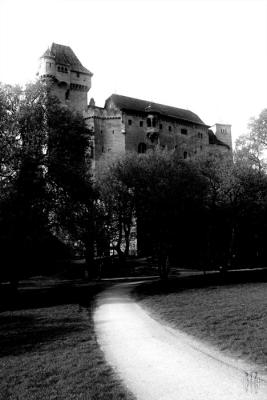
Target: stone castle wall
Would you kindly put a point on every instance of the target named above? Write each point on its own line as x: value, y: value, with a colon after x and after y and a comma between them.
x: 108, y: 131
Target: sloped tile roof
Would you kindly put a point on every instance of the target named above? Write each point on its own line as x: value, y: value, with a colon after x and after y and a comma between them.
x: 214, y: 140
x: 65, y: 55
x: 132, y: 104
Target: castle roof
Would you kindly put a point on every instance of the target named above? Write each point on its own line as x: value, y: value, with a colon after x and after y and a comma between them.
x: 214, y: 140
x: 65, y: 55
x: 132, y: 104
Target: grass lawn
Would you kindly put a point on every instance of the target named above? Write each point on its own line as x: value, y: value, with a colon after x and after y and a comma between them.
x: 231, y: 316
x: 48, y: 348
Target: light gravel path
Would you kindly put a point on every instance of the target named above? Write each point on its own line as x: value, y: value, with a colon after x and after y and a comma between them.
x: 159, y: 363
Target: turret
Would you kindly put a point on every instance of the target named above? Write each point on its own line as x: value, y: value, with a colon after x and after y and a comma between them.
x: 47, y: 67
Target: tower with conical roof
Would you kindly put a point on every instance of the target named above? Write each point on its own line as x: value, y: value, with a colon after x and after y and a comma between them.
x: 71, y: 81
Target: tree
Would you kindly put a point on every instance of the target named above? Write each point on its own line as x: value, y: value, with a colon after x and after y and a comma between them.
x: 236, y: 202
x: 163, y: 193
x: 69, y: 179
x: 10, y: 139
x: 114, y: 185
x: 51, y: 193
x: 251, y: 147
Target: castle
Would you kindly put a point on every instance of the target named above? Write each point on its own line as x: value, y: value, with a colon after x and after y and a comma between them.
x: 126, y: 123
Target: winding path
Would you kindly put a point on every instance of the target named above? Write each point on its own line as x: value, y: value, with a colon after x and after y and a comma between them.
x: 159, y: 363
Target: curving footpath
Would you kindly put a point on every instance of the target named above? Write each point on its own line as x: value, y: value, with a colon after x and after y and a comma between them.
x: 159, y: 363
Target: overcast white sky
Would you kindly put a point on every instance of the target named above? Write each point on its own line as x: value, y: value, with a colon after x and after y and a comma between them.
x: 208, y: 56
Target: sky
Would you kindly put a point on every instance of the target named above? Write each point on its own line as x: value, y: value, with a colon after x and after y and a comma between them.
x: 208, y: 56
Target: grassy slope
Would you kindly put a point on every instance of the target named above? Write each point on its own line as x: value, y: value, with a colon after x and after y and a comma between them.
x: 233, y: 318
x: 48, y: 348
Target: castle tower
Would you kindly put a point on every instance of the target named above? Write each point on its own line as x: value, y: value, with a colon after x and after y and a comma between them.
x: 223, y: 133
x: 71, y: 80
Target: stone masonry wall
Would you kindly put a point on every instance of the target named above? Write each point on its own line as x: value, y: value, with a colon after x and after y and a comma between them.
x: 108, y: 131
x: 170, y: 134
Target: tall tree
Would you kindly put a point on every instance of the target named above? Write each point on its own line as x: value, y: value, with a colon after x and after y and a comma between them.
x: 51, y: 191
x: 251, y: 147
x: 163, y: 193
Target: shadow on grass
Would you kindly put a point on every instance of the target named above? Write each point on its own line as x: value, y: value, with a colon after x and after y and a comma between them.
x: 28, y: 320
x: 24, y: 333
x: 32, y: 296
x: 181, y: 283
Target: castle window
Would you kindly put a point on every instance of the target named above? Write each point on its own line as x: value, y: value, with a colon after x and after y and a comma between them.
x: 129, y: 122
x: 141, y: 124
x: 48, y: 65
x: 154, y: 122
x: 141, y: 148
x: 185, y: 155
x: 102, y: 149
x: 78, y: 74
x: 113, y: 132
x: 160, y: 126
x: 148, y: 122
x: 200, y: 147
x: 200, y: 135
x: 184, y: 131
x: 67, y: 95
x: 170, y: 128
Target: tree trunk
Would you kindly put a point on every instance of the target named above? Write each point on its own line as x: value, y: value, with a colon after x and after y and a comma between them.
x: 127, y: 240
x: 163, y: 266
x: 90, y: 268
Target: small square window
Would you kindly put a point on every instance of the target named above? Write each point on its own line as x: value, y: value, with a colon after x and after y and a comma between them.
x: 141, y: 123
x: 129, y: 122
x: 184, y: 131
x: 170, y: 128
x: 78, y: 74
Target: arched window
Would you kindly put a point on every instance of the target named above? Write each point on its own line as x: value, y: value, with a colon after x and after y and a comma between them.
x: 141, y: 148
